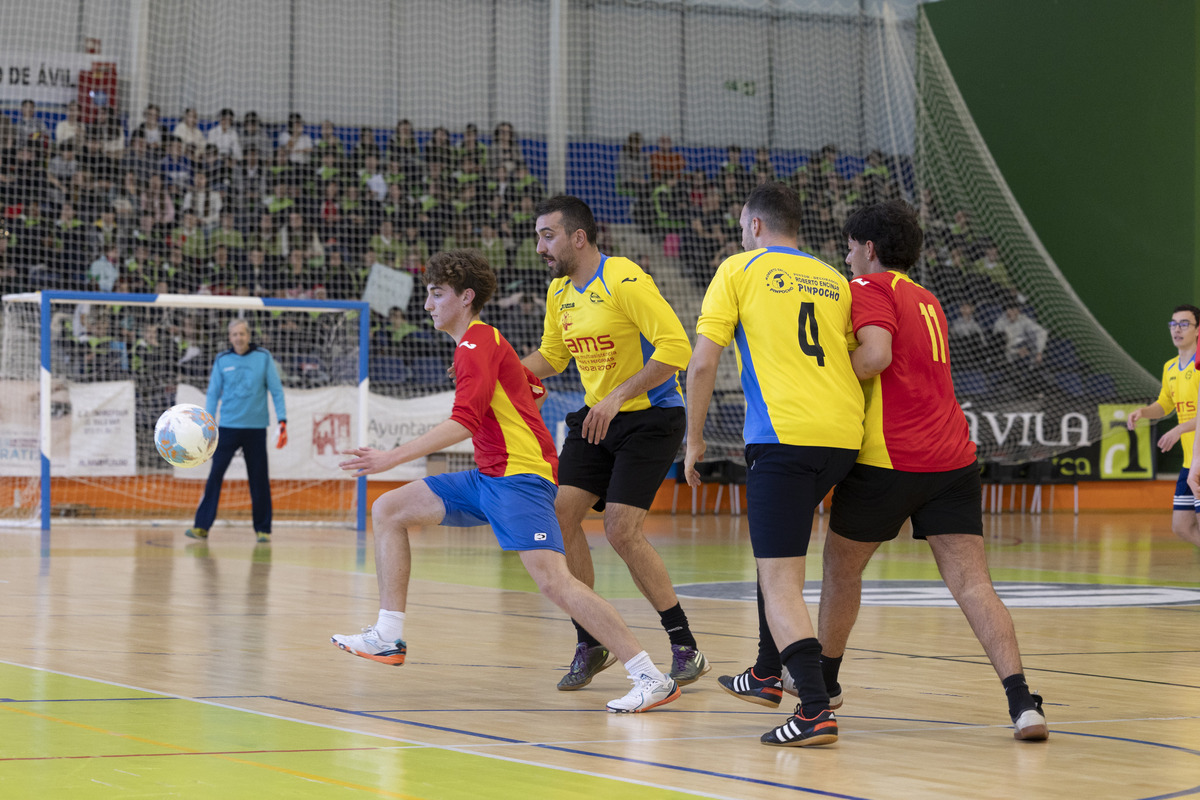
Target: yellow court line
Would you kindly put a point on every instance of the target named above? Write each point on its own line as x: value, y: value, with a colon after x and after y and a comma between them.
x: 181, y: 749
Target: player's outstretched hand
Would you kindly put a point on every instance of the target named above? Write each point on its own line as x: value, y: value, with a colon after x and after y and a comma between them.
x: 692, y: 455
x: 282, y: 441
x: 1131, y: 420
x: 367, y: 461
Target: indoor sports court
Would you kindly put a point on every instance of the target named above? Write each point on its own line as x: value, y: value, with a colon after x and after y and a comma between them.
x: 137, y: 663
x: 173, y: 172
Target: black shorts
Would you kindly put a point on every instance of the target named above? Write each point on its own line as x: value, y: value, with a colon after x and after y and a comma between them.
x: 872, y: 503
x: 784, y: 483
x: 630, y: 463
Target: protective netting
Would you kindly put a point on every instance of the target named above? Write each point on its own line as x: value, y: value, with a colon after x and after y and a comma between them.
x: 1034, y: 365
x: 362, y: 137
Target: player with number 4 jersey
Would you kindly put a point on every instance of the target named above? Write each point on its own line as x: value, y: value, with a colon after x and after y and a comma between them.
x: 792, y: 351
x: 788, y: 315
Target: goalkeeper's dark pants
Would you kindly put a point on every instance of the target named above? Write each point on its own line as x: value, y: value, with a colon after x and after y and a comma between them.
x: 253, y: 444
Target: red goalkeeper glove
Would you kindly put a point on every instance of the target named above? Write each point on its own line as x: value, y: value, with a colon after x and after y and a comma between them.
x: 282, y: 435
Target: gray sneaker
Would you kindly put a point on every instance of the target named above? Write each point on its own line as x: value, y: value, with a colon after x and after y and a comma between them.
x: 687, y: 664
x: 835, y: 691
x: 587, y: 662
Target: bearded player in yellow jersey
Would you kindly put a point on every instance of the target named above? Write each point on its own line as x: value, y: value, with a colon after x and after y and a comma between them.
x: 1179, y: 387
x: 607, y: 315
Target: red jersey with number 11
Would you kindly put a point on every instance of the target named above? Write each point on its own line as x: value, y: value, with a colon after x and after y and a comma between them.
x: 913, y: 422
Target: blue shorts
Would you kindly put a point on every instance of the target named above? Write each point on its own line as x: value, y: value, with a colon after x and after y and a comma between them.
x: 1184, y: 499
x: 520, y: 508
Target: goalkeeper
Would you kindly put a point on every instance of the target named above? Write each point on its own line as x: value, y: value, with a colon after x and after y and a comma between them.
x: 242, y: 376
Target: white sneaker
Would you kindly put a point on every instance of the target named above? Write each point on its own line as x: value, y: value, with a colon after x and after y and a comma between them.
x: 1031, y: 726
x: 647, y: 693
x: 369, y: 644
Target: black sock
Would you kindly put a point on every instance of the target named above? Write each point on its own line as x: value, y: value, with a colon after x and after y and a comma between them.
x: 803, y: 660
x: 675, y: 623
x: 768, y: 663
x: 1019, y: 698
x: 829, y: 671
x: 584, y: 636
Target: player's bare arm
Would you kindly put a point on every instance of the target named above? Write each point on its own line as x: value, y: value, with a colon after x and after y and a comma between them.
x: 536, y: 363
x: 595, y: 424
x: 1168, y: 439
x: 369, y: 461
x: 1152, y: 411
x: 701, y: 378
x: 874, y: 352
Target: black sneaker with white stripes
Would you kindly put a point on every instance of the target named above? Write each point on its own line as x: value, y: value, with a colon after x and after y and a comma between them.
x: 800, y: 731
x: 753, y: 689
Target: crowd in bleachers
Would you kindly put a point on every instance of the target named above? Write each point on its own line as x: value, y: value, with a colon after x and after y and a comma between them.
x: 248, y: 209
x: 296, y: 210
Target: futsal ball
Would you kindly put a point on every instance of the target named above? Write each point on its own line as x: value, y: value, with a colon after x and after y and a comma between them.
x: 186, y: 436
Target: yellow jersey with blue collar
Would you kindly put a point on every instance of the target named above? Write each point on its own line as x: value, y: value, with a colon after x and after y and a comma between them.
x: 789, y: 314
x: 612, y: 327
x: 1179, y: 386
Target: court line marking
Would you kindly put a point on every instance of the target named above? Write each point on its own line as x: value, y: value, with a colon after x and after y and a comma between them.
x: 476, y: 749
x: 195, y: 752
x: 180, y: 750
x: 385, y: 737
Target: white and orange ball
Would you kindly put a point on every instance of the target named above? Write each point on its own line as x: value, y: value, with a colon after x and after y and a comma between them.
x: 186, y: 435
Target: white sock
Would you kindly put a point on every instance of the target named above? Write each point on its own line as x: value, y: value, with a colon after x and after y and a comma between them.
x: 642, y: 665
x: 390, y: 625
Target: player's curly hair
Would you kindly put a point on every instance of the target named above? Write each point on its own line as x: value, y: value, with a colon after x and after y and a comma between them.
x: 893, y: 227
x: 462, y: 270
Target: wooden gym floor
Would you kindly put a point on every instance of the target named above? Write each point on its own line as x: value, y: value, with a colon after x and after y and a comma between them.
x: 137, y: 663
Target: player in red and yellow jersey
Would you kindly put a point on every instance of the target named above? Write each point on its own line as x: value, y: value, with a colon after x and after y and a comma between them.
x: 1180, y: 382
x: 512, y: 490
x: 914, y: 423
x: 917, y: 461
x: 607, y: 315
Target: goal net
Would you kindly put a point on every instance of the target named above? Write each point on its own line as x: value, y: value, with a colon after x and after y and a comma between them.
x: 362, y: 139
x: 85, y: 376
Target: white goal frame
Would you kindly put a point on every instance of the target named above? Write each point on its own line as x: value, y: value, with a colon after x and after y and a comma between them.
x: 47, y: 299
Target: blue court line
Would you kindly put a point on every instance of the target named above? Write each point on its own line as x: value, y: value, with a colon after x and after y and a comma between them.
x: 379, y: 715
x: 559, y: 748
x: 978, y: 661
x: 383, y: 716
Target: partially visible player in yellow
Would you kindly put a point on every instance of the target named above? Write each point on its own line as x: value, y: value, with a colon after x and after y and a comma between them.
x: 606, y: 314
x: 1179, y: 389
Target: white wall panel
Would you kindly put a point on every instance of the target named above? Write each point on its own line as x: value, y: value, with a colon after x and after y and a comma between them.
x: 442, y: 55
x: 727, y: 97
x: 635, y: 78
x: 521, y: 63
